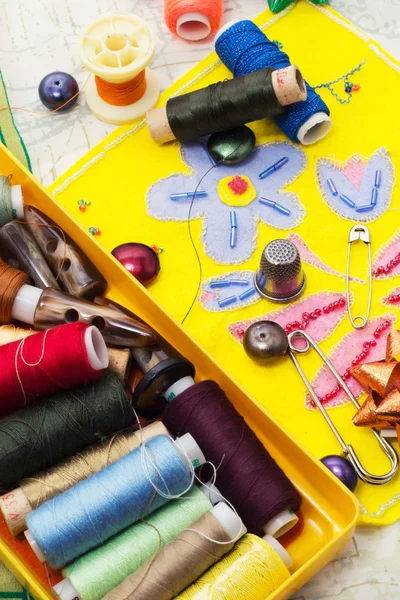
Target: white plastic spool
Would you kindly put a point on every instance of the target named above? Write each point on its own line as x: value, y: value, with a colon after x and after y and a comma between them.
x: 117, y: 47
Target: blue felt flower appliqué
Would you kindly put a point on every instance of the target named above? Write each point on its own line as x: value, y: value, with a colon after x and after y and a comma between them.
x: 359, y: 189
x: 215, y: 209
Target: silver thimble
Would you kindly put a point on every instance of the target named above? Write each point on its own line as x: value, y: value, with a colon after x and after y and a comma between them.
x: 280, y: 277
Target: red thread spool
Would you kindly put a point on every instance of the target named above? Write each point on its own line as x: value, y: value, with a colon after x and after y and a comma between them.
x: 49, y: 362
x: 193, y: 19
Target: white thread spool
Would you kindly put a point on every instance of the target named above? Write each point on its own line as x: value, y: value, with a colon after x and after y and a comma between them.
x: 116, y: 48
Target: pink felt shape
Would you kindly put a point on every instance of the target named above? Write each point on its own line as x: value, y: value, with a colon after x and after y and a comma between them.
x: 319, y: 329
x: 385, y: 254
x: 309, y: 257
x: 342, y: 356
x: 354, y: 170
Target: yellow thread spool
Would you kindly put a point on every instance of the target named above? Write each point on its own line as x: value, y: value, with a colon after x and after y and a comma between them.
x: 251, y: 571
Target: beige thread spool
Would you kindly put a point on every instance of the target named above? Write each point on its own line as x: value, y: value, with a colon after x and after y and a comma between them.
x: 34, y: 491
x: 288, y: 85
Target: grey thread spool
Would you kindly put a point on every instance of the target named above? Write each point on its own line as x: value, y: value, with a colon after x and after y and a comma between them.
x: 280, y: 277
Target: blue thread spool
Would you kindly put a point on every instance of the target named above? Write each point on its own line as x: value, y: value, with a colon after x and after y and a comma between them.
x: 244, y: 48
x: 99, y: 507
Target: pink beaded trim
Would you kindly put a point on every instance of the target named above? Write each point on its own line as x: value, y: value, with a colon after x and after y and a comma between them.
x: 387, y: 268
x: 359, y: 358
x: 314, y: 315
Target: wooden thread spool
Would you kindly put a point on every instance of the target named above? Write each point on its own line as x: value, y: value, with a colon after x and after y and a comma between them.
x: 117, y: 48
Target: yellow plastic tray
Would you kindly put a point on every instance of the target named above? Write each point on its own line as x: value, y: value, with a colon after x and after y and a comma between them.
x: 329, y: 510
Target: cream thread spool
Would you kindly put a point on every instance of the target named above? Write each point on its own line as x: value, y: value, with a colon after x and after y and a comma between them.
x: 117, y: 48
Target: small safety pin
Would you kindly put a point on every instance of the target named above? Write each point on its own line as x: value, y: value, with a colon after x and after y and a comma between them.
x: 359, y: 232
x: 348, y: 450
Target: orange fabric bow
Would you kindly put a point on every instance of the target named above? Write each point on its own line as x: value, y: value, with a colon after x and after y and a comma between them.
x: 381, y: 380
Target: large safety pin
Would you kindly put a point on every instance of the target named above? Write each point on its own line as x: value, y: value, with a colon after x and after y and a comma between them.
x: 359, y: 232
x: 362, y: 473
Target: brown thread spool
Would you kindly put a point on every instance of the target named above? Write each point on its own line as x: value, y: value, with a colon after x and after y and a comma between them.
x: 11, y: 281
x: 38, y: 489
x: 184, y: 559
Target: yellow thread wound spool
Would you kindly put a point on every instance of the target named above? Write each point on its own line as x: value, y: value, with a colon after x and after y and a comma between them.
x: 117, y: 48
x: 251, y: 571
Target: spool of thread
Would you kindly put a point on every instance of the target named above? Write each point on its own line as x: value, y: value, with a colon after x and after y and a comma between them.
x: 10, y: 333
x: 75, y: 273
x: 247, y: 475
x: 11, y: 201
x: 117, y: 48
x: 118, y: 358
x: 244, y: 48
x: 20, y: 250
x: 39, y: 436
x: 41, y: 487
x: 98, y: 572
x: 48, y: 308
x: 227, y: 104
x: 193, y: 19
x: 45, y: 363
x: 252, y: 571
x: 11, y: 283
x: 97, y: 508
x: 184, y: 559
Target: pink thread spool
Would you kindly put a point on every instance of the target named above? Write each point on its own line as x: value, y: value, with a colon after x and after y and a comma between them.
x: 193, y: 20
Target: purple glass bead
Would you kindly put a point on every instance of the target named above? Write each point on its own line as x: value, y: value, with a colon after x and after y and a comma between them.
x: 56, y: 89
x: 343, y: 470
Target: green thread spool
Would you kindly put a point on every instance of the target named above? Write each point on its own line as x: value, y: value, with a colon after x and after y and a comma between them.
x: 11, y: 201
x: 100, y: 571
x: 40, y: 435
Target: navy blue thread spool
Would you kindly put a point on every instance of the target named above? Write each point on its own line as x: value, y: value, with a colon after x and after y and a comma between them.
x: 97, y: 508
x: 244, y: 48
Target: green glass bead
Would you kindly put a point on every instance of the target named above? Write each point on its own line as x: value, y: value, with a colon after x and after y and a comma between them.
x: 277, y: 5
x: 320, y: 1
x: 231, y: 146
x: 92, y: 230
x: 88, y: 203
x: 14, y: 213
x: 81, y: 201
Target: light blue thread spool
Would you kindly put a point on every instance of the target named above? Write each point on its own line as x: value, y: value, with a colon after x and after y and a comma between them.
x: 244, y: 48
x: 101, y: 506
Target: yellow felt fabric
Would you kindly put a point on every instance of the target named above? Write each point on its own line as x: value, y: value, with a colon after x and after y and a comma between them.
x: 116, y: 175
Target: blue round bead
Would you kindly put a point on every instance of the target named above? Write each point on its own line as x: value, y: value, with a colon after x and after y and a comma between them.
x: 56, y: 89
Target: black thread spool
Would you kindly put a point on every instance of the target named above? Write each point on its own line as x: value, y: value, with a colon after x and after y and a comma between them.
x: 162, y: 366
x: 227, y: 104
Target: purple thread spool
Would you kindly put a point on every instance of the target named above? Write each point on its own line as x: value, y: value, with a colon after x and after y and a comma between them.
x: 247, y: 475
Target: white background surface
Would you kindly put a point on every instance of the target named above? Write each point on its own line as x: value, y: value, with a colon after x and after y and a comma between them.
x: 40, y: 36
